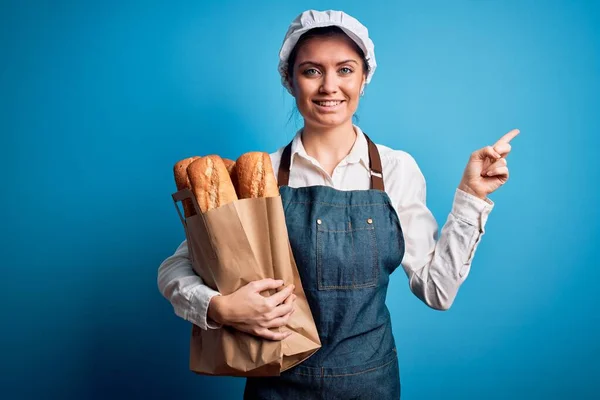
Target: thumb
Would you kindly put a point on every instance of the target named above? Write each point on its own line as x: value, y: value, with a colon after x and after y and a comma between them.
x: 265, y: 284
x: 486, y: 152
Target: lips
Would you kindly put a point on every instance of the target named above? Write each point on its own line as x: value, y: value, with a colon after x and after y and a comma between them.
x: 328, y: 105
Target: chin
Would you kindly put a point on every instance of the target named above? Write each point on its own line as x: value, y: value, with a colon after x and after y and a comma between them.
x: 330, y: 121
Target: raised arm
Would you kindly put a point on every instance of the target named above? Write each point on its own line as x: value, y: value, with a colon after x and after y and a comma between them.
x: 436, y: 267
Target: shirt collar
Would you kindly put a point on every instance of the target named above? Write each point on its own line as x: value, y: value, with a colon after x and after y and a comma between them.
x: 358, y: 153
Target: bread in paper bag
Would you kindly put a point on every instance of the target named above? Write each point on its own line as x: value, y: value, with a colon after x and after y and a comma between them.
x: 236, y: 240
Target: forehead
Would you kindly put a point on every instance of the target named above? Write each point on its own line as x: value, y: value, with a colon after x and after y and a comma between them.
x: 327, y: 48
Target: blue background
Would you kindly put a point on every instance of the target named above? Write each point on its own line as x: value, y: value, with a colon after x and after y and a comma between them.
x: 99, y: 100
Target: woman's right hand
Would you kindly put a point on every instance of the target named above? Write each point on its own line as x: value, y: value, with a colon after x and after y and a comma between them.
x: 249, y: 311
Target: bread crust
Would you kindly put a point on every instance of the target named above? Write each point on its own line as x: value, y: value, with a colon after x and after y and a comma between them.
x: 210, y: 182
x: 255, y: 176
x: 182, y: 182
x: 230, y: 165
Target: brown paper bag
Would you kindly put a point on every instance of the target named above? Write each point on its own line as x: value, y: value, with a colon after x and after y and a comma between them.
x: 230, y: 246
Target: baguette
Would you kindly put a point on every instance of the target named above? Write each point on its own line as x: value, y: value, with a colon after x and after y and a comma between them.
x: 230, y: 165
x: 255, y: 176
x: 182, y: 181
x: 211, y: 183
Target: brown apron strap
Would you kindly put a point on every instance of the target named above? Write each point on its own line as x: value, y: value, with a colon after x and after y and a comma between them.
x: 283, y: 175
x: 375, y: 166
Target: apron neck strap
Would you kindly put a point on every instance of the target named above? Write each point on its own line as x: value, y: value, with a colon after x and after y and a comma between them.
x: 283, y: 175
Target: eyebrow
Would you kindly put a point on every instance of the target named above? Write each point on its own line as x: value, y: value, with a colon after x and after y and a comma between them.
x: 320, y: 65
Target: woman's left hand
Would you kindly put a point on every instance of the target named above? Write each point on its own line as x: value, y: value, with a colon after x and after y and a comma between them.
x: 487, y: 168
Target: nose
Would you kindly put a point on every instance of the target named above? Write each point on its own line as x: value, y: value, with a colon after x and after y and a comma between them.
x: 329, y: 83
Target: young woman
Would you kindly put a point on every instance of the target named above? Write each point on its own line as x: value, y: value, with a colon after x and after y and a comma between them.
x: 355, y: 210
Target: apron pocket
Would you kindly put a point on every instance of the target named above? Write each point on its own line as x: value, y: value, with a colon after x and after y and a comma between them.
x: 347, y: 258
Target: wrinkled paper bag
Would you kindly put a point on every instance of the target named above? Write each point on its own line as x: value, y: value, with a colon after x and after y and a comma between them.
x: 230, y: 246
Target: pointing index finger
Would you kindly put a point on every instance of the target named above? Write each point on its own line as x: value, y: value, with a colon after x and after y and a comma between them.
x: 508, y: 137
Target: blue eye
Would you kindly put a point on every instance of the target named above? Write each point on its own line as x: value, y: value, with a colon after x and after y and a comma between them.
x: 345, y: 70
x: 310, y: 72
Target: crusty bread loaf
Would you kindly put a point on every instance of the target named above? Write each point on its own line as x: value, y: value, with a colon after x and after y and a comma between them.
x: 182, y: 181
x: 230, y: 165
x: 255, y: 176
x: 210, y: 182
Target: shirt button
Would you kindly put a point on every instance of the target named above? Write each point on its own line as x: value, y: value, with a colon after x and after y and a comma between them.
x: 369, y: 221
x: 319, y: 221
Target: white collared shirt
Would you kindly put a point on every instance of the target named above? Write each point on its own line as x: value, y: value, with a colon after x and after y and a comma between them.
x: 436, y: 267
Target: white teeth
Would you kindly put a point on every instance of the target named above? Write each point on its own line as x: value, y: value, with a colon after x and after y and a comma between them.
x: 328, y: 103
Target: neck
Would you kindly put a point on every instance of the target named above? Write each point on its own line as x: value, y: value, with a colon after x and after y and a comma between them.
x: 328, y: 145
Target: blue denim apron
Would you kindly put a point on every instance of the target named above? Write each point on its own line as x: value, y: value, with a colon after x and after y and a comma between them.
x: 346, y: 244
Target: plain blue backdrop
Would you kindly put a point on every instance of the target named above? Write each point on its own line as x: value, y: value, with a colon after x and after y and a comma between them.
x: 98, y: 100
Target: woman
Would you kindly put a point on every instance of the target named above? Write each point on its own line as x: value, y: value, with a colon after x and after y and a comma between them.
x: 355, y: 211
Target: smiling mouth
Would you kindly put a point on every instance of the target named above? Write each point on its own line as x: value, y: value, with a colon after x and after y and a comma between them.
x: 328, y: 103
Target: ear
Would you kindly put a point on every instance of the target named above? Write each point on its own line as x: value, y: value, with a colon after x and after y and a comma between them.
x: 290, y: 83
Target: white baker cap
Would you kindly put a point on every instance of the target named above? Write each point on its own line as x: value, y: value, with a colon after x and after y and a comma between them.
x: 316, y: 19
